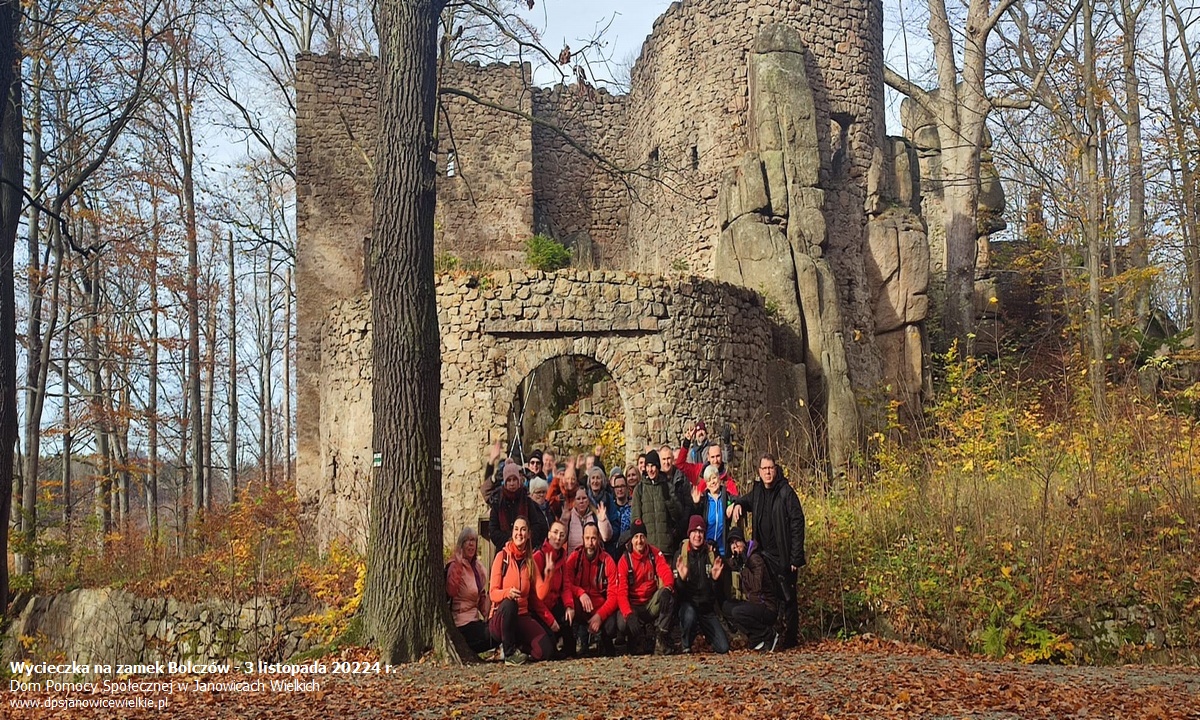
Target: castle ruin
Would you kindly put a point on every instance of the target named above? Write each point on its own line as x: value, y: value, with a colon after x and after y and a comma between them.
x: 751, y: 242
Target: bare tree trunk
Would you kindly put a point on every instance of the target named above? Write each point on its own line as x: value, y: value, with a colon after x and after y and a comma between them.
x: 403, y: 614
x: 151, y: 487
x: 68, y: 430
x: 960, y: 108
x: 1090, y: 170
x: 12, y: 180
x: 268, y: 378
x: 1183, y: 93
x: 209, y: 381
x: 104, y: 485
x: 233, y: 394
x: 1131, y: 114
x: 287, y: 378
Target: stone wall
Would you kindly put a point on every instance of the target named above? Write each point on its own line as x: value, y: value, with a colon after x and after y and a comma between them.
x: 852, y: 328
x: 677, y: 349
x: 107, y: 626
x: 335, y: 136
x: 579, y: 431
x: 485, y: 208
x: 578, y: 199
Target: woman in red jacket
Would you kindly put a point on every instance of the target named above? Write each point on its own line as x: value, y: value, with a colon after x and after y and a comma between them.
x: 515, y: 603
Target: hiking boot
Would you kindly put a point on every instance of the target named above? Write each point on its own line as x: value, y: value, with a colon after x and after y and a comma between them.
x: 662, y: 646
x: 516, y: 658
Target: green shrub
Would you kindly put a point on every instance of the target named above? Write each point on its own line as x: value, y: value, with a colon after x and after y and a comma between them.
x: 544, y: 253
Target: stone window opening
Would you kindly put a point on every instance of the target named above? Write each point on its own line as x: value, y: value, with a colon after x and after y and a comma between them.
x: 695, y: 158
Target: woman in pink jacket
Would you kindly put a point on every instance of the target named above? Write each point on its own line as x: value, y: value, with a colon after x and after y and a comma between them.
x: 467, y: 588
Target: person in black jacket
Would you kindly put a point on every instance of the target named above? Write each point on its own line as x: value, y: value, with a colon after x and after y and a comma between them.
x: 779, y: 531
x: 751, y: 605
x: 698, y: 569
x: 510, y: 502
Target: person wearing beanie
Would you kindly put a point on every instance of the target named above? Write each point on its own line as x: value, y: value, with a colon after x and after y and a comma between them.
x: 752, y: 607
x: 533, y: 466
x: 645, y: 594
x: 655, y: 504
x: 698, y: 569
x: 511, y: 502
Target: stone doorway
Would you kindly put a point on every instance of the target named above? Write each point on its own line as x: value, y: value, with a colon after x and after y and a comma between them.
x: 569, y: 403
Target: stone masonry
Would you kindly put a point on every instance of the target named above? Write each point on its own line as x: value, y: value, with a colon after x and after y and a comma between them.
x: 664, y: 341
x: 634, y: 183
x: 106, y: 626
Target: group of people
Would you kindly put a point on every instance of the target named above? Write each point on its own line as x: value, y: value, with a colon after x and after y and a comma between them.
x: 646, y: 558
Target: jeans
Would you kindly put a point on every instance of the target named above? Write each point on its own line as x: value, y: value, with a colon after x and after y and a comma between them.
x: 692, y: 618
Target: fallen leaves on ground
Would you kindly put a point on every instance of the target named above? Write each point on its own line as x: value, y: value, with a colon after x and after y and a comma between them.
x: 867, y: 678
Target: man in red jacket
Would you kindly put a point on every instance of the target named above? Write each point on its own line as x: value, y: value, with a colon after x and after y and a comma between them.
x: 593, y: 577
x: 645, y: 594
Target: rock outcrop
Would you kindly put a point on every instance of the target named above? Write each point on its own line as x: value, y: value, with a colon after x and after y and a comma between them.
x: 773, y: 232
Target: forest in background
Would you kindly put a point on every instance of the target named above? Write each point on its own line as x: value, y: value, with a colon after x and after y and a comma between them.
x: 155, y: 310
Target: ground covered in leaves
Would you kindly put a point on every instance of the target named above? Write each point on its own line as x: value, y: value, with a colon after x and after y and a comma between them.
x: 857, y: 679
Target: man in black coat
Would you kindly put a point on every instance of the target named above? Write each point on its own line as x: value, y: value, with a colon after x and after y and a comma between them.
x: 779, y: 530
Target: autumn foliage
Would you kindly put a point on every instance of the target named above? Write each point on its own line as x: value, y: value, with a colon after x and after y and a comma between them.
x: 1014, y: 521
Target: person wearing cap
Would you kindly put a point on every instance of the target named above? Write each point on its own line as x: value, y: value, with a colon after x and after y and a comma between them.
x: 752, y: 607
x: 698, y: 569
x: 656, y: 505
x: 511, y: 502
x: 621, y: 514
x: 645, y: 594
x: 593, y: 577
x: 779, y: 530
x: 533, y: 466
x: 700, y: 442
x: 716, y: 506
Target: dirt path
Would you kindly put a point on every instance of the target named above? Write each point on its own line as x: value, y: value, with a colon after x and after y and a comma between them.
x: 864, y: 679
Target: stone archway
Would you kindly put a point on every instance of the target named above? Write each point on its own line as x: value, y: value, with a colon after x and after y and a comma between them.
x: 570, y: 404
x: 666, y: 342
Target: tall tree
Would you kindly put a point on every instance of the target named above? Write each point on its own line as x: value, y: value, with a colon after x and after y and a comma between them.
x: 12, y: 181
x: 402, y: 609
x: 960, y: 107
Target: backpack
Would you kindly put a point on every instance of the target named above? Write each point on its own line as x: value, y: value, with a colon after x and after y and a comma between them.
x: 629, y: 560
x: 601, y: 576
